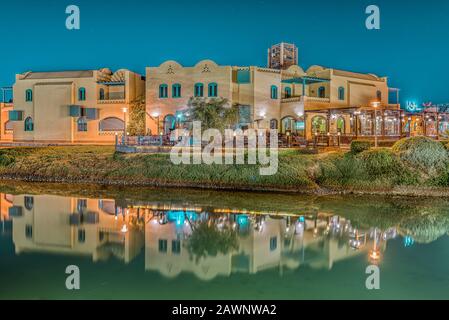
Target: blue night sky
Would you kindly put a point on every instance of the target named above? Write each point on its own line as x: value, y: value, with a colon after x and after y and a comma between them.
x: 412, y: 47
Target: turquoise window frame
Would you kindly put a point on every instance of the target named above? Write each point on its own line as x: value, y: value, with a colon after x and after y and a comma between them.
x: 82, y: 94
x: 274, y: 92
x: 198, y: 90
x: 163, y: 91
x: 288, y: 92
x: 29, y: 124
x: 176, y: 90
x: 213, y: 90
x: 29, y: 95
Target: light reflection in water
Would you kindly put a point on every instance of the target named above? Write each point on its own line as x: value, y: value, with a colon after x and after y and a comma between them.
x: 207, y: 242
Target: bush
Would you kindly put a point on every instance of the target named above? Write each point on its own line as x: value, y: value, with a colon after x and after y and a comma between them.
x: 380, y: 161
x: 422, y: 153
x: 6, y: 159
x: 358, y: 146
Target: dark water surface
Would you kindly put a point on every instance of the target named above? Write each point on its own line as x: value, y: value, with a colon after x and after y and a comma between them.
x: 184, y: 244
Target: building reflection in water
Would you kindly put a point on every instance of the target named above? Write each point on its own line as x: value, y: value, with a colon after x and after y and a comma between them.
x: 252, y: 241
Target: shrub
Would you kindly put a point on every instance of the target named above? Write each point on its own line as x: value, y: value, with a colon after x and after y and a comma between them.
x: 380, y: 161
x: 358, y: 146
x: 422, y: 153
x: 6, y: 159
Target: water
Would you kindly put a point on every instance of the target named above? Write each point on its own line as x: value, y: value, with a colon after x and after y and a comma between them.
x: 185, y: 244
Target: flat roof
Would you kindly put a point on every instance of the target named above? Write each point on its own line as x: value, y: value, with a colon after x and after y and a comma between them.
x: 59, y: 74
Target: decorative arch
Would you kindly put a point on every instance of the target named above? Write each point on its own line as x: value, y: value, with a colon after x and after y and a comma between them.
x: 274, y: 92
x: 213, y: 89
x: 287, y: 124
x: 341, y: 125
x: 319, y: 125
x: 9, y: 125
x: 169, y: 123
x: 29, y: 124
x: 111, y: 124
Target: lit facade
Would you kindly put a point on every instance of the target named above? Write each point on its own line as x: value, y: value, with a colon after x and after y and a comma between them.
x: 282, y: 56
x: 73, y: 106
x: 319, y: 101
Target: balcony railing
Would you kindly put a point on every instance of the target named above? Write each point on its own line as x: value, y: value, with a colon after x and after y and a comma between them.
x: 113, y: 97
x: 306, y: 98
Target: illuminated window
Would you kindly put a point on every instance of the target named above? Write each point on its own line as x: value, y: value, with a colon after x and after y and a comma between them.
x: 82, y: 124
x: 101, y: 94
x: 379, y: 95
x: 288, y: 92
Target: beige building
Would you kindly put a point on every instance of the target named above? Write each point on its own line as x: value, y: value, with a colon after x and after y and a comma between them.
x: 319, y: 101
x: 73, y: 106
x: 6, y: 126
x: 79, y: 226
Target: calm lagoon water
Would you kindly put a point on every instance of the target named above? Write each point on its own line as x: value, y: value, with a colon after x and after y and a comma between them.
x: 184, y: 244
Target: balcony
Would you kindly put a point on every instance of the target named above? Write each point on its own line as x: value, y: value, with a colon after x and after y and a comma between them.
x: 113, y: 98
x: 306, y: 99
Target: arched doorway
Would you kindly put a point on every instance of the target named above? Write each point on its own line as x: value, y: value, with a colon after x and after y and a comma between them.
x: 319, y: 125
x: 169, y: 123
x: 287, y: 124
x: 341, y: 125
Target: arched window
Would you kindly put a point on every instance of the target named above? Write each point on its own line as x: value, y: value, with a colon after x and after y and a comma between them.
x: 101, y: 94
x: 29, y: 95
x: 273, y: 124
x: 29, y: 125
x: 319, y: 125
x: 322, y: 92
x: 28, y: 202
x: 288, y: 92
x: 379, y: 95
x: 274, y: 92
x: 169, y: 123
x: 198, y: 90
x: 341, y: 93
x: 213, y: 89
x: 163, y: 91
x: 82, y: 124
x: 81, y: 94
x: 112, y: 124
x: 341, y: 125
x: 176, y: 90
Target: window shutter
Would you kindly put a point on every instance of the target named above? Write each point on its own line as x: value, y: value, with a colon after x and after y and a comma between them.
x: 75, y: 111
x: 91, y: 113
x: 15, y: 115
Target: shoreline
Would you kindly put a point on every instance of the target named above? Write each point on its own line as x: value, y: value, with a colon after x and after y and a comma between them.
x: 402, y: 191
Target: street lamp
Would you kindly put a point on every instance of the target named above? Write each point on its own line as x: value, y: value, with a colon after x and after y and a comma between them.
x: 125, y: 110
